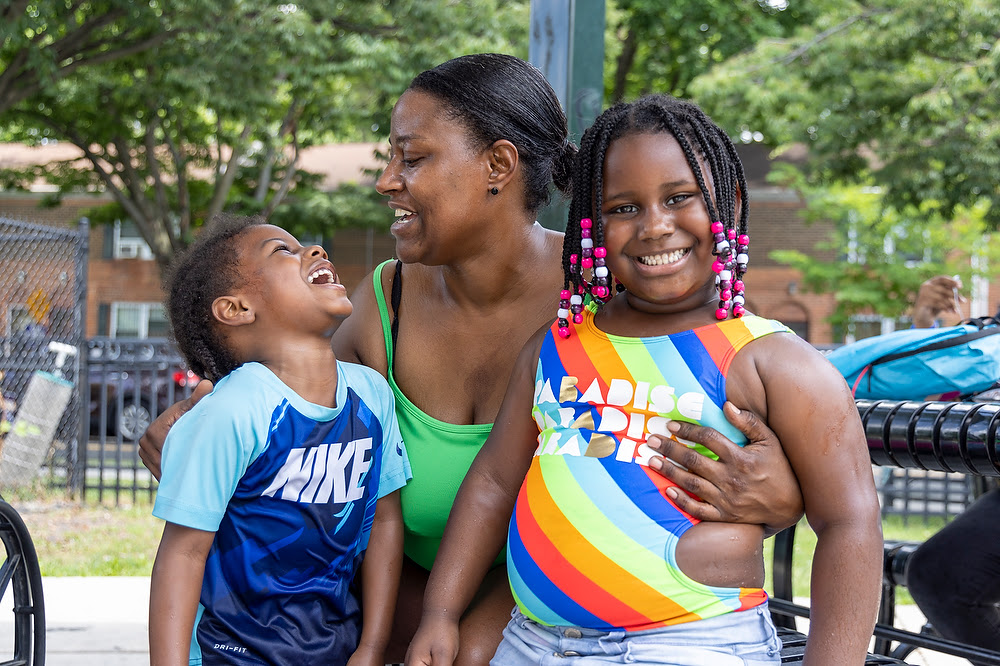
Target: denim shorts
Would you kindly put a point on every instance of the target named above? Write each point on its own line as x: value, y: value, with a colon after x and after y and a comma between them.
x: 745, y: 638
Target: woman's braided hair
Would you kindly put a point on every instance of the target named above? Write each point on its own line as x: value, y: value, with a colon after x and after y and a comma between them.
x: 702, y: 141
x: 209, y: 268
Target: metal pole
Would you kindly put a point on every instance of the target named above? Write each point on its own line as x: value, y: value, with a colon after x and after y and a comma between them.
x: 75, y: 475
x: 567, y: 45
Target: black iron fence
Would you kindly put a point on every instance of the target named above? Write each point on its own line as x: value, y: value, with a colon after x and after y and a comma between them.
x: 43, y: 288
x: 130, y: 382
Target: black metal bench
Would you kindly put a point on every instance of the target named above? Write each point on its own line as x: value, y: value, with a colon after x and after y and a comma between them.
x: 20, y: 574
x: 932, y: 436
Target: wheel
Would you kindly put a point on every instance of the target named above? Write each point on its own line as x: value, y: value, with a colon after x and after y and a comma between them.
x: 133, y: 420
x: 20, y: 574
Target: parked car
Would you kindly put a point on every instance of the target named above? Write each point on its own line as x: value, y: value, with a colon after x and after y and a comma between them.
x: 128, y: 401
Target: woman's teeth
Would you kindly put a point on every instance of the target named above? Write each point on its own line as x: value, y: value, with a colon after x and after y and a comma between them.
x: 660, y: 259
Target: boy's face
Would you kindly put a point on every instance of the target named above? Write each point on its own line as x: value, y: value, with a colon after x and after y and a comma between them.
x: 293, y: 287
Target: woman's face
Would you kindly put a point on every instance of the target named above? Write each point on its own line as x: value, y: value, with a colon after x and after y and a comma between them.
x: 435, y: 181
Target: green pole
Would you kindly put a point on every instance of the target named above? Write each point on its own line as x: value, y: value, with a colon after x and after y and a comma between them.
x: 567, y: 45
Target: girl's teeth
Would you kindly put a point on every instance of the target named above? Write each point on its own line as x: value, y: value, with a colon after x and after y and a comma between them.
x: 660, y: 259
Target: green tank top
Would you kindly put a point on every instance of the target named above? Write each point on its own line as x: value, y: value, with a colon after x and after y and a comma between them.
x: 440, y: 456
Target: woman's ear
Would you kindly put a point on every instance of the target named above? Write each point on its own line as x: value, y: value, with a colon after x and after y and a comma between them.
x: 233, y: 310
x: 503, y: 160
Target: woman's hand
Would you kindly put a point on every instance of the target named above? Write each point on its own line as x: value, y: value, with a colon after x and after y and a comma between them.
x: 749, y: 484
x: 151, y: 442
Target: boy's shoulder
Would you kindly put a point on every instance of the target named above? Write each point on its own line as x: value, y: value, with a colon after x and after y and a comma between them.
x: 356, y: 372
x: 363, y: 380
x: 239, y: 392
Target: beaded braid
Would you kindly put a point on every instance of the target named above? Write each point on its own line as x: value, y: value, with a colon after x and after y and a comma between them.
x: 698, y: 137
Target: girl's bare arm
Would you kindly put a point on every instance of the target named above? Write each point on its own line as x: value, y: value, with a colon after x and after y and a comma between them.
x: 808, y: 405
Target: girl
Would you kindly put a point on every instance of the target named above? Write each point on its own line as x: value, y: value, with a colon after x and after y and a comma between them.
x: 603, y: 564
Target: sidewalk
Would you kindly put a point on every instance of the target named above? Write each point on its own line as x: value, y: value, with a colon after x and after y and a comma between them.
x: 103, y: 621
x: 92, y: 621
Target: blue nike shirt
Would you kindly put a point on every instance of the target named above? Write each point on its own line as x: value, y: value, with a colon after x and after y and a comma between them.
x: 290, y: 488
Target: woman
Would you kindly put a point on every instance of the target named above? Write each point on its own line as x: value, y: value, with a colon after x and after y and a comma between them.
x: 476, y: 143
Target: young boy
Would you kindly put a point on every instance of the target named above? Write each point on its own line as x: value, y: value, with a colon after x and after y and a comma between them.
x: 278, y: 483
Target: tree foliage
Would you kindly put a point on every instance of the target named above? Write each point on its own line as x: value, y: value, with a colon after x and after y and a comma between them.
x: 44, y: 41
x: 901, y: 94
x: 215, y: 117
x: 656, y: 46
x: 895, y: 101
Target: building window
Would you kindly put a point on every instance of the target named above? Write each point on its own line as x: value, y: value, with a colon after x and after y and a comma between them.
x: 128, y: 243
x: 138, y: 320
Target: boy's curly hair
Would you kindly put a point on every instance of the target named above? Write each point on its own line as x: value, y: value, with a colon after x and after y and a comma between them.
x: 209, y: 268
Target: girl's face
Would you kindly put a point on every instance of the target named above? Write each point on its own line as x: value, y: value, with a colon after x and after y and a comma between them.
x: 435, y: 182
x: 656, y: 227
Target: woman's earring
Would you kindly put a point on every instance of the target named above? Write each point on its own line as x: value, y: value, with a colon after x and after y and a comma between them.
x: 494, y: 191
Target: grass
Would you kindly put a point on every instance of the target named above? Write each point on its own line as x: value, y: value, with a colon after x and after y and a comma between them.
x: 92, y: 539
x: 893, y: 528
x: 88, y: 539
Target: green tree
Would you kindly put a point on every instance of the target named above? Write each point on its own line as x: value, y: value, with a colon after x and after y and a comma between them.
x: 895, y: 101
x: 215, y: 118
x: 44, y: 41
x: 901, y: 94
x: 656, y: 46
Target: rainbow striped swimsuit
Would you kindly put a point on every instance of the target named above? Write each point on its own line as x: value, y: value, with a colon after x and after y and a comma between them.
x: 593, y: 536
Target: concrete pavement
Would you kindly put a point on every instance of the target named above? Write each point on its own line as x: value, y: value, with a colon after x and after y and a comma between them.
x: 103, y: 622
x: 92, y: 621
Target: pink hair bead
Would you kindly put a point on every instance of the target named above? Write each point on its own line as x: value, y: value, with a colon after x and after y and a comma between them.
x: 717, y: 227
x: 738, y: 310
x: 565, y: 294
x: 744, y: 239
x: 717, y: 266
x: 578, y: 318
x: 731, y: 234
x: 600, y: 252
x: 587, y: 262
x: 726, y: 295
x: 738, y: 285
x: 573, y: 258
x: 563, y: 332
x: 721, y: 314
x: 586, y: 223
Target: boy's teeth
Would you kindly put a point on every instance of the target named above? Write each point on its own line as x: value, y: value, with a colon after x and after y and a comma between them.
x: 660, y: 259
x: 321, y: 272
x: 402, y: 213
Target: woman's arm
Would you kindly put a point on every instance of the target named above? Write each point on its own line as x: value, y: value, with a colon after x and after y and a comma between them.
x: 380, y: 581
x: 749, y: 484
x: 175, y: 587
x: 810, y: 408
x: 477, y: 525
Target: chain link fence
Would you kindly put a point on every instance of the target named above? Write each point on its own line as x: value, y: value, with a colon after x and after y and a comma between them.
x: 43, y: 290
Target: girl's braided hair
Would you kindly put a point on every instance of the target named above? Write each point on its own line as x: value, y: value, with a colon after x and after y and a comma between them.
x: 209, y: 268
x: 702, y: 141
